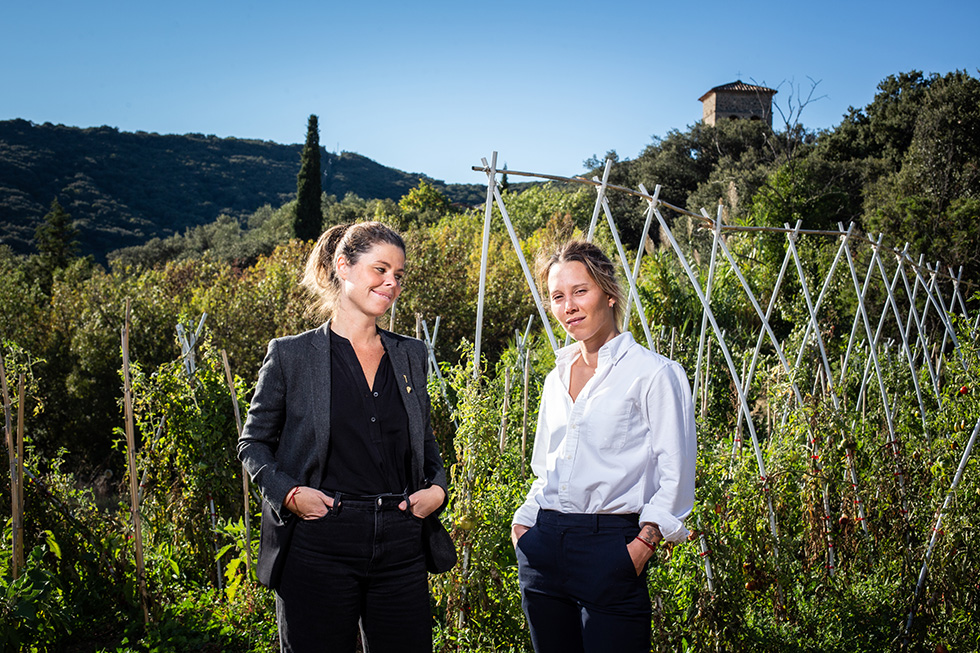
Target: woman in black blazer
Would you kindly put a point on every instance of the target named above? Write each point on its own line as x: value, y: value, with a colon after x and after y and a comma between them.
x: 339, y: 442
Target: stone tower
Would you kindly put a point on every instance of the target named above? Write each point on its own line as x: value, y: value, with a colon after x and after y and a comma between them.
x: 737, y: 101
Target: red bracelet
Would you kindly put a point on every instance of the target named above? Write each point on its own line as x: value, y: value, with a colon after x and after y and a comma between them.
x: 292, y: 496
x: 647, y: 544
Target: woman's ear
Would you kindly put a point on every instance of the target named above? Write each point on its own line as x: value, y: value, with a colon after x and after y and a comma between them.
x: 341, y: 267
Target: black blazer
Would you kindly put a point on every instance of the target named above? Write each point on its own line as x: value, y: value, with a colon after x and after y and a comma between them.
x: 285, y: 439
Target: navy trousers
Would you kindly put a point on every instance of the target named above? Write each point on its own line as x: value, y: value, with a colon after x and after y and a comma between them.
x: 579, y: 588
x: 362, y: 562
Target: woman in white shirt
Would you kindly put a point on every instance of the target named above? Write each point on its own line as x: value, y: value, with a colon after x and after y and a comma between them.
x: 614, y: 457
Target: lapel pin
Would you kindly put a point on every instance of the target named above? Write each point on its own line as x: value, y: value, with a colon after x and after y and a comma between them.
x: 407, y: 387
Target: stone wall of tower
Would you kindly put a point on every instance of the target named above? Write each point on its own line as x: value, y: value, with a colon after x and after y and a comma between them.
x: 745, y: 105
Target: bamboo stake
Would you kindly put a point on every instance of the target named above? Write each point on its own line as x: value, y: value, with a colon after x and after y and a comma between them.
x: 528, y: 277
x: 743, y: 402
x: 245, y: 498
x: 939, y: 520
x: 503, y: 416
x: 762, y: 316
x: 716, y: 236
x: 920, y: 332
x: 905, y: 344
x: 8, y: 431
x: 639, y: 252
x: 707, y: 382
x: 484, y: 259
x: 527, y: 376
x: 849, y: 451
x: 18, y: 481
x: 131, y: 458
x: 600, y: 196
x: 430, y: 345
x: 640, y: 311
x: 706, y: 557
x: 214, y: 528
x: 893, y: 436
x: 762, y: 335
x: 146, y: 472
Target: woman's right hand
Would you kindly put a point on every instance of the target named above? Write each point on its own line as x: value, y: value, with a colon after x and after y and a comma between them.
x: 307, y: 502
x: 516, y: 531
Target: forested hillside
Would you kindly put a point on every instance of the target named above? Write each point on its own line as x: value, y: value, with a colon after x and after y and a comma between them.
x: 123, y: 189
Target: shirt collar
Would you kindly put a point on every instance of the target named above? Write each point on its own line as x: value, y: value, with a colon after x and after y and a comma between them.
x: 610, y: 353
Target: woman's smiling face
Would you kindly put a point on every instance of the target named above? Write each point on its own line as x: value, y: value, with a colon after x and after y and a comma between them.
x: 374, y: 281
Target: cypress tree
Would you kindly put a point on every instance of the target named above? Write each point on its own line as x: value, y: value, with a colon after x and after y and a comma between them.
x: 308, y: 221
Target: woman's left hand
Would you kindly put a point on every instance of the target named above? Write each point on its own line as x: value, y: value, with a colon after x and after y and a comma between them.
x: 424, y: 502
x: 640, y: 554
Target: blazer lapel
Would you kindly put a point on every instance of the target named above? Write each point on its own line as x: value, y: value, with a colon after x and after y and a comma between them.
x: 319, y: 384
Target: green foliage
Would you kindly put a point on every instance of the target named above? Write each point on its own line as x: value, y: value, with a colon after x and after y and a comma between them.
x: 422, y: 205
x: 23, y: 308
x: 56, y: 246
x: 223, y: 240
x: 478, y: 601
x: 32, y: 613
x: 534, y: 207
x: 187, y: 430
x: 930, y: 201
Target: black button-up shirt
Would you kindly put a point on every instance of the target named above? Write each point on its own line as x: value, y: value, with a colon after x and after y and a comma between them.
x: 369, y: 443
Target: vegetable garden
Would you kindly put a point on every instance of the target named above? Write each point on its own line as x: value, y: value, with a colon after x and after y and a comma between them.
x: 835, y: 387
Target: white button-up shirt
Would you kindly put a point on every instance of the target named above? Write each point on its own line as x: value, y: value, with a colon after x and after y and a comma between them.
x: 625, y: 445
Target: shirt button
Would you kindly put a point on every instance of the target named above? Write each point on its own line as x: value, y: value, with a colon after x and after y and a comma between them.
x: 379, y: 502
x: 374, y: 419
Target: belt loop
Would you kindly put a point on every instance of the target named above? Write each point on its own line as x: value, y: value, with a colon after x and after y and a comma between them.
x: 337, y: 503
x: 595, y: 522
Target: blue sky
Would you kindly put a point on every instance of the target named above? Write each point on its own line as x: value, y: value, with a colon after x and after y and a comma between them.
x: 434, y: 86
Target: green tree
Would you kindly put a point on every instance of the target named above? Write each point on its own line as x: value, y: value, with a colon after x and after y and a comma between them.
x: 931, y: 201
x: 423, y: 205
x: 309, y: 216
x: 55, y: 242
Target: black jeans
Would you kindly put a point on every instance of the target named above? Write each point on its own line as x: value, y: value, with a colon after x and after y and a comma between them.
x: 579, y: 588
x: 362, y: 562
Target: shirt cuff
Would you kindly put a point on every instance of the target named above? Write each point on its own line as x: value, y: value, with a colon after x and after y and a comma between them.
x: 671, y: 527
x: 526, y: 515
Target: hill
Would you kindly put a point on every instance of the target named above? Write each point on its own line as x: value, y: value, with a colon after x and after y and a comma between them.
x: 124, y: 188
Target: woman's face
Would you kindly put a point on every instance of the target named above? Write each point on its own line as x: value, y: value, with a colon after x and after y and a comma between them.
x: 373, y: 283
x: 577, y: 301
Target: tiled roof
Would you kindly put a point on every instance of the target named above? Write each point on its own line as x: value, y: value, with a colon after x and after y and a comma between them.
x: 739, y: 86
